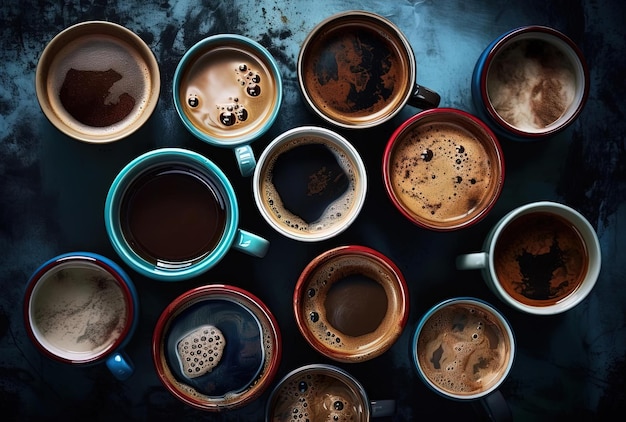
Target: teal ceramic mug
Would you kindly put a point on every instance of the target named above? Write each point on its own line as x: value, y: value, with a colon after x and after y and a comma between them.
x: 172, y: 214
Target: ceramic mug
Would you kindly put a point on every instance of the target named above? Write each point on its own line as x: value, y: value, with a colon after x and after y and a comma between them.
x: 216, y: 347
x: 530, y: 83
x: 172, y: 214
x: 356, y: 70
x: 81, y: 308
x: 541, y: 258
x: 228, y: 92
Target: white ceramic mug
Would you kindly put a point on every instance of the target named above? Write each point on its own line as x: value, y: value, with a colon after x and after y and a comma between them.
x: 533, y: 266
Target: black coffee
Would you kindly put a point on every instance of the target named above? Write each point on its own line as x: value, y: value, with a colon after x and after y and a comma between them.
x: 173, y: 215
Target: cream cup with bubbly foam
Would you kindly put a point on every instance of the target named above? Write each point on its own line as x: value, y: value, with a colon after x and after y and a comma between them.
x: 530, y: 83
x: 97, y: 82
x: 310, y: 184
x: 443, y: 169
x: 81, y: 308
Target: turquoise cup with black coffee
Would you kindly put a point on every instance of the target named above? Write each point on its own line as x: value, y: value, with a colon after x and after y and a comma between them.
x: 172, y: 214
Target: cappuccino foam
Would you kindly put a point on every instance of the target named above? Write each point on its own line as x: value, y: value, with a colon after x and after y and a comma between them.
x: 531, y: 84
x: 440, y: 172
x: 79, y: 310
x: 463, y: 349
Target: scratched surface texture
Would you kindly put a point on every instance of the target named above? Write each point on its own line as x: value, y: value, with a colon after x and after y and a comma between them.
x: 52, y: 190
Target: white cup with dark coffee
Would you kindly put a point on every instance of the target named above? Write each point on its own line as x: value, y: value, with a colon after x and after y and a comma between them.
x: 542, y: 258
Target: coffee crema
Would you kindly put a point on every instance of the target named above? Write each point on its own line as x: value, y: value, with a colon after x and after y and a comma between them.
x: 442, y: 173
x: 315, y: 396
x: 79, y: 310
x: 540, y: 259
x: 308, y: 185
x: 173, y: 215
x: 227, y: 92
x: 531, y: 84
x: 356, y: 72
x: 463, y: 349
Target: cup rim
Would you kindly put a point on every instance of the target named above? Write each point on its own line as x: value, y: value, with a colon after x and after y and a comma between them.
x: 369, y: 351
x: 593, y: 249
x: 475, y: 302
x: 228, y: 40
x: 256, y: 387
x: 111, y: 268
x: 138, y: 166
x: 525, y: 32
x: 478, y: 125
x: 380, y: 20
x: 341, y: 143
x: 337, y: 373
x: 89, y: 28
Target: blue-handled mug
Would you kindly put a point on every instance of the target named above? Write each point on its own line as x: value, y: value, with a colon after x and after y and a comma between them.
x: 172, y: 214
x: 81, y: 308
x: 227, y: 91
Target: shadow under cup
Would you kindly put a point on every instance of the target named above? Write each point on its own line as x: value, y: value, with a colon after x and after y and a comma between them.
x: 216, y: 347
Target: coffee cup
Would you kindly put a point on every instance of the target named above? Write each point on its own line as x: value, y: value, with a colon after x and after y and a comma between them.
x: 172, y: 214
x: 443, y: 169
x: 530, y: 83
x: 227, y: 92
x: 463, y: 349
x: 356, y: 70
x: 351, y: 303
x: 310, y: 184
x: 81, y: 308
x: 541, y: 258
x: 216, y: 347
x: 321, y: 392
x: 97, y: 82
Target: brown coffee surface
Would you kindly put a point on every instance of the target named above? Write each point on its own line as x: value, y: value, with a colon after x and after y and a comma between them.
x: 173, y: 214
x: 354, y: 72
x: 351, y: 306
x: 227, y: 92
x: 316, y: 397
x: 442, y: 173
x: 540, y: 259
x: 531, y: 84
x: 463, y: 349
x: 80, y: 310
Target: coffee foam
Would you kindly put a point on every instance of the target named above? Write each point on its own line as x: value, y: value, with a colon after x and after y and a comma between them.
x: 227, y: 92
x: 531, y: 84
x: 201, y: 350
x: 78, y: 310
x: 316, y: 397
x: 314, y: 315
x: 101, y: 53
x: 463, y: 349
x: 334, y: 215
x: 442, y: 173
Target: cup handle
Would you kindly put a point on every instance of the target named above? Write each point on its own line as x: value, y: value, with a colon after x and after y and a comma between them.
x: 120, y: 366
x: 472, y: 261
x: 382, y: 408
x: 424, y: 98
x: 250, y: 243
x: 496, y: 407
x: 245, y: 160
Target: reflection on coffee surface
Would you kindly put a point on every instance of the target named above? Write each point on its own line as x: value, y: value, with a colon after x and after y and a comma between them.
x: 463, y: 349
x: 227, y: 91
x: 79, y: 309
x: 540, y: 259
x: 441, y: 172
x: 355, y: 71
x: 100, y: 81
x: 531, y: 84
x: 173, y: 215
x: 315, y: 397
x: 216, y: 347
x: 309, y: 185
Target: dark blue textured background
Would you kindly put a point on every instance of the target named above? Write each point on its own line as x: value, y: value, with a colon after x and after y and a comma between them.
x: 52, y: 191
